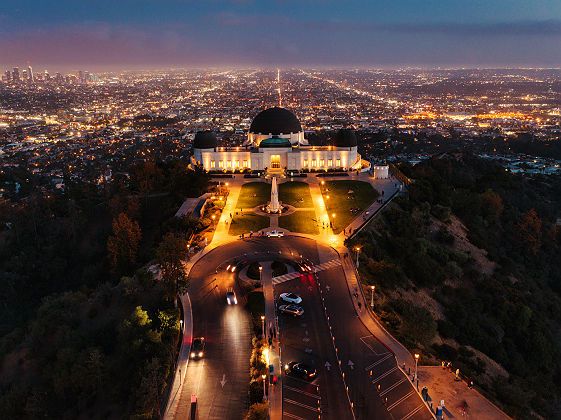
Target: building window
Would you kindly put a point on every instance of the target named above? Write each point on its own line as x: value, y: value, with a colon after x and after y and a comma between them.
x: 237, y: 163
x: 322, y: 163
x: 338, y: 163
x: 330, y: 162
x: 305, y: 164
x: 220, y: 163
x: 213, y: 164
x: 228, y: 163
x: 245, y: 164
x: 313, y: 163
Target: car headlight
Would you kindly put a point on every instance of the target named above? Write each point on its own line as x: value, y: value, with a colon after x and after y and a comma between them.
x: 192, y: 354
x: 285, y: 367
x: 201, y: 354
x: 236, y: 301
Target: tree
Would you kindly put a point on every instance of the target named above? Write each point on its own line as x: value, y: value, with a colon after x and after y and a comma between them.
x: 123, y: 245
x: 528, y: 232
x: 491, y: 205
x: 171, y: 251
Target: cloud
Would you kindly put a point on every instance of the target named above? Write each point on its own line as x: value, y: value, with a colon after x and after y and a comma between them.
x: 519, y: 28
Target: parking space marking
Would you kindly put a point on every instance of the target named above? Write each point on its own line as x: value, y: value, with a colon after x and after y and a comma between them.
x: 386, y: 357
x: 370, y: 347
x: 316, y: 396
x: 293, y: 416
x: 382, y: 376
x: 392, y: 387
x: 395, y: 404
x: 299, y: 404
x: 413, y: 412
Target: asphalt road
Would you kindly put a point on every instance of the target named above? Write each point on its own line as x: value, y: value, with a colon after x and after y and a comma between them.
x: 220, y: 379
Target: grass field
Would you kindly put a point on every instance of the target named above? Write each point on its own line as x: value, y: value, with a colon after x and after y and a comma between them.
x: 248, y: 222
x: 340, y: 201
x: 296, y: 194
x: 300, y: 221
x: 253, y: 194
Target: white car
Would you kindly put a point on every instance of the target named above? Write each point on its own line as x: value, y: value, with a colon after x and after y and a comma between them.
x: 231, y: 297
x: 275, y: 233
x: 291, y: 298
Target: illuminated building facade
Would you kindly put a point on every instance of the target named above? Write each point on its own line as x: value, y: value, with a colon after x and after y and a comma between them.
x: 276, y: 142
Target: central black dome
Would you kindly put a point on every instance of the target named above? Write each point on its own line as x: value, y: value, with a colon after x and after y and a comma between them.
x: 275, y: 121
x: 205, y: 140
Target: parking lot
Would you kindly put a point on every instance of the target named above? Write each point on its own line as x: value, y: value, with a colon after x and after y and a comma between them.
x: 306, y: 338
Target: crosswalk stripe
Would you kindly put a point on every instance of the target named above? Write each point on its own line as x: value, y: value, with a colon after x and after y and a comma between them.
x: 316, y: 268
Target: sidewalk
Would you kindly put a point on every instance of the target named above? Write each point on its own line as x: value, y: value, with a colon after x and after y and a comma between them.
x: 275, y: 391
x: 402, y: 355
x: 183, y: 359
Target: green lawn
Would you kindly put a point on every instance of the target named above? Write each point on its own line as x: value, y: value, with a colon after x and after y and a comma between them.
x: 248, y: 222
x: 253, y: 194
x: 296, y: 194
x: 300, y: 221
x: 340, y: 201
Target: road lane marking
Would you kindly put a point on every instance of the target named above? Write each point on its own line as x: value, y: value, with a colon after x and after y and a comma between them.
x: 389, y: 372
x: 386, y: 357
x: 395, y: 404
x: 299, y: 404
x: 392, y: 387
x: 412, y: 413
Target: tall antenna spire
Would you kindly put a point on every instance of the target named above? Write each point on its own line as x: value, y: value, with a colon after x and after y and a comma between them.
x: 279, y: 88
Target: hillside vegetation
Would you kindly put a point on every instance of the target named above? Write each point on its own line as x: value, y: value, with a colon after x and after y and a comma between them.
x: 468, y: 270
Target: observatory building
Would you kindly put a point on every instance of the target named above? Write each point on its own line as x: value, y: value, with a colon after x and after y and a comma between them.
x: 275, y: 142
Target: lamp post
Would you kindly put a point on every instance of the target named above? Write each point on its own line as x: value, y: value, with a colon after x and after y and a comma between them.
x: 333, y: 217
x: 263, y: 324
x: 372, y: 296
x: 357, y: 252
x: 416, y: 361
x: 264, y: 390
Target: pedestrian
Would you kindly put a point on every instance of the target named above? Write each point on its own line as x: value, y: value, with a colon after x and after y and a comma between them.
x: 359, y: 305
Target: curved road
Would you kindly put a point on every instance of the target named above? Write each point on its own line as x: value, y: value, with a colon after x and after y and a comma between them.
x: 220, y: 379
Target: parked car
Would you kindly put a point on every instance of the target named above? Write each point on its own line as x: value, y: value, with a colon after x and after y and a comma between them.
x: 275, y: 233
x: 198, y: 348
x: 291, y: 310
x: 231, y: 297
x: 301, y: 369
x: 291, y: 298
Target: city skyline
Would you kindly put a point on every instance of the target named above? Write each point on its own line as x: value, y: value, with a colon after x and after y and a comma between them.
x: 148, y: 35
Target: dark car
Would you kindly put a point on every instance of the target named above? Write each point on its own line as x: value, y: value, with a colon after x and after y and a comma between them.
x: 291, y: 310
x: 198, y: 348
x: 301, y: 369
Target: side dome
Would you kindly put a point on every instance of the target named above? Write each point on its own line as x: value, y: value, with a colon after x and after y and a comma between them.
x: 345, y: 138
x: 205, y: 140
x: 275, y: 121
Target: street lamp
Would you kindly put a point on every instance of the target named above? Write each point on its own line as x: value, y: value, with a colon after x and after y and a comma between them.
x: 333, y: 217
x: 416, y: 361
x: 264, y: 391
x: 263, y: 324
x: 372, y: 296
x: 357, y: 251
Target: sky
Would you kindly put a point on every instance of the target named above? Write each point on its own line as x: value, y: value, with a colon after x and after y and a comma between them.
x: 127, y: 34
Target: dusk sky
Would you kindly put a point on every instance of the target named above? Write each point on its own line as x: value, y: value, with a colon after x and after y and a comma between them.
x: 124, y: 34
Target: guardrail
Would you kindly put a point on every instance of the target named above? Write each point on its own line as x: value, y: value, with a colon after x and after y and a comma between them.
x: 369, y: 218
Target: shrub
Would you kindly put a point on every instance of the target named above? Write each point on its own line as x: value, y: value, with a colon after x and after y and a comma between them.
x: 258, y: 411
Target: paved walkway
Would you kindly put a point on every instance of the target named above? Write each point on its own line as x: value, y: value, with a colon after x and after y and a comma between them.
x: 459, y: 400
x: 271, y: 327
